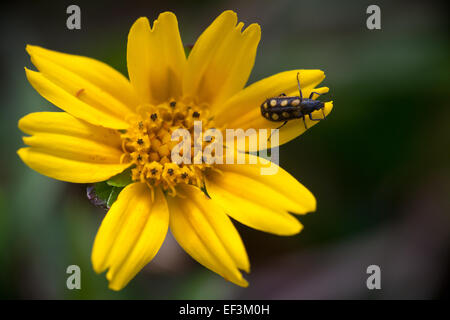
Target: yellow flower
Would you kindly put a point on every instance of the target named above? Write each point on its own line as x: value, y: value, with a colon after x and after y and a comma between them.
x: 111, y: 124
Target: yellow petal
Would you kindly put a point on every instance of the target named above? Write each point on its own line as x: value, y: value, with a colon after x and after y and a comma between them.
x: 131, y: 234
x: 74, y: 148
x: 62, y: 66
x: 65, y: 97
x: 204, y: 231
x: 66, y: 169
x: 156, y: 58
x: 66, y: 148
x: 64, y: 124
x: 243, y: 109
x: 260, y: 201
x: 221, y: 60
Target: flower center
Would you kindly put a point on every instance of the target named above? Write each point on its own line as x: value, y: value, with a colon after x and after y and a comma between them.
x: 148, y: 144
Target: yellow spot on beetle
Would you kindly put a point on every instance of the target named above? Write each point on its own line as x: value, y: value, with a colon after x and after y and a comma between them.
x: 284, y: 103
x: 273, y: 102
x: 285, y: 114
x: 275, y: 116
x: 295, y: 103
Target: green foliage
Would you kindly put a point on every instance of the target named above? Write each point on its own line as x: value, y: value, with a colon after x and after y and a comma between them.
x: 113, y: 196
x: 121, y: 180
x: 102, y: 190
x: 107, y: 193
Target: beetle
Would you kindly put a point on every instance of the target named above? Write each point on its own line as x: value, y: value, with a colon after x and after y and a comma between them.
x: 284, y: 108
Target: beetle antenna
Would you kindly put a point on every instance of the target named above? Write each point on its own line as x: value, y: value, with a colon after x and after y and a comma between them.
x: 299, y: 89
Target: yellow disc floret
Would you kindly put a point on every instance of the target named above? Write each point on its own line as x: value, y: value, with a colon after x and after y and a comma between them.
x: 148, y: 144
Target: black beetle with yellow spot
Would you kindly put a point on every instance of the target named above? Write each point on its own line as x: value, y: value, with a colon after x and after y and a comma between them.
x: 285, y: 108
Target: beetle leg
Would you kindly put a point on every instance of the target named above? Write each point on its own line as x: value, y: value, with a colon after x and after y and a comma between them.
x: 283, y: 95
x: 311, y: 95
x: 304, y: 122
x: 284, y: 123
x: 313, y: 119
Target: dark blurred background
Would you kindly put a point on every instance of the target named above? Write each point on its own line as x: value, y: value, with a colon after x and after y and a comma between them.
x: 379, y: 165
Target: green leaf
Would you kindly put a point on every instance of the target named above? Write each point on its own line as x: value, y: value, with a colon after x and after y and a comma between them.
x: 102, y: 190
x: 113, y: 196
x: 121, y: 180
x: 106, y: 193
